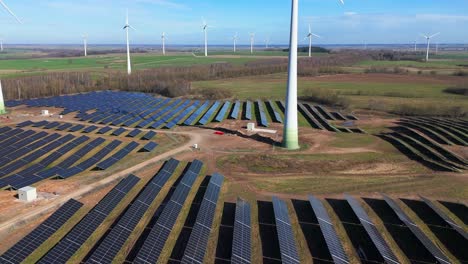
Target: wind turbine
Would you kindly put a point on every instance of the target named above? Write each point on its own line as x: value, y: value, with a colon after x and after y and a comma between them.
x: 235, y: 38
x: 1, y: 44
x: 127, y: 28
x: 85, y: 44
x: 291, y: 130
x: 2, y: 104
x: 163, y: 37
x: 415, y: 46
x: 205, y: 30
x: 252, y: 40
x: 428, y: 38
x: 267, y: 42
x: 310, y: 36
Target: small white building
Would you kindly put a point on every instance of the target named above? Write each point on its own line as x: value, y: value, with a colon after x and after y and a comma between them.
x: 44, y: 112
x: 250, y: 126
x: 27, y: 194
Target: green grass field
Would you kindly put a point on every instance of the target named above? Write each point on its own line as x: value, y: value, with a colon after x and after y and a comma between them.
x: 436, y: 63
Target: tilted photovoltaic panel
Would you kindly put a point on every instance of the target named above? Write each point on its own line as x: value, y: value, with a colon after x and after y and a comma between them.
x: 235, y: 110
x: 21, y: 250
x: 428, y: 244
x: 206, y: 117
x: 134, y: 133
x: 76, y: 128
x: 40, y: 123
x: 149, y: 147
x: 263, y: 118
x: 24, y: 124
x: 154, y: 243
x: 373, y: 232
x: 148, y: 136
x: 286, y: 238
x: 223, y: 112
x: 104, y: 130
x: 52, y: 125
x: 119, y: 131
x: 113, y: 242
x: 276, y: 116
x: 90, y: 129
x: 329, y: 233
x: 117, y: 156
x: 248, y: 110
x: 198, y: 241
x: 64, y: 126
x: 242, y: 237
x: 182, y: 115
x: 446, y: 218
x: 189, y: 121
x: 69, y: 244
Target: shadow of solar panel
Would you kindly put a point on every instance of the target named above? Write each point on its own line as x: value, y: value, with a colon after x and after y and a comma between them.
x: 428, y: 244
x: 64, y: 126
x: 148, y: 136
x: 149, y: 147
x: 76, y: 128
x: 206, y: 117
x: 21, y: 250
x: 104, y: 130
x: 192, y: 118
x: 90, y: 129
x: 118, y: 131
x: 113, y: 242
x: 134, y: 133
x: 198, y: 241
x: 223, y: 112
x: 379, y: 242
x: 235, y: 110
x: 117, y: 156
x: 241, y: 243
x: 286, y: 239
x: 154, y: 243
x: 331, y: 237
x: 248, y: 110
x: 69, y: 244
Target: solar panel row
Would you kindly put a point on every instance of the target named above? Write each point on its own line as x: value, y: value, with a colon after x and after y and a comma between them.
x: 428, y: 244
x: 134, y: 133
x: 248, y: 110
x: 118, y: 131
x: 241, y: 242
x: 69, y: 244
x: 154, y: 243
x: 331, y: 237
x: 117, y: 156
x: 191, y: 120
x: 114, y: 241
x: 149, y: 147
x: 235, y: 110
x: 21, y: 250
x: 198, y: 241
x: 64, y: 127
x: 223, y: 112
x: 8, y: 151
x: 148, y: 136
x: 104, y: 130
x: 276, y: 116
x: 90, y: 129
x: 287, y: 242
x: 263, y: 120
x: 373, y: 232
x: 207, y: 116
x: 182, y: 115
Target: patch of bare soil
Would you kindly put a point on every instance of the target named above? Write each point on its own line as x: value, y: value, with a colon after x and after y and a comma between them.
x: 376, y: 168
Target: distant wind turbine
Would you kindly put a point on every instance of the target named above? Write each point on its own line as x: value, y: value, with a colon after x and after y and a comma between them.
x: 1, y: 45
x: 291, y: 130
x: 2, y: 104
x: 267, y: 42
x: 428, y: 38
x: 127, y: 28
x: 205, y: 30
x: 235, y: 38
x: 415, y: 46
x: 310, y: 36
x: 85, y: 44
x: 252, y: 40
x: 163, y: 37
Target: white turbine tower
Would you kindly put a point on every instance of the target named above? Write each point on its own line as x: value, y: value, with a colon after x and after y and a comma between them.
x: 428, y: 38
x: 127, y: 28
x: 267, y: 42
x: 163, y: 37
x: 415, y: 46
x: 205, y: 31
x: 310, y: 36
x: 252, y: 40
x: 85, y: 44
x: 235, y: 38
x: 2, y: 104
x: 1, y: 45
x: 291, y: 130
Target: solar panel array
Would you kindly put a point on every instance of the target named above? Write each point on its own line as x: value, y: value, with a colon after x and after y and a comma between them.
x: 118, y: 131
x: 329, y: 233
x: 21, y: 250
x: 148, y: 136
x: 198, y: 241
x: 428, y: 244
x: 192, y: 118
x: 90, y: 129
x: 379, y: 242
x: 263, y: 120
x: 241, y: 242
x: 182, y: 115
x: 134, y: 133
x: 149, y: 147
x: 114, y: 241
x: 64, y: 126
x: 206, y: 118
x: 117, y: 156
x: 276, y: 116
x: 235, y: 110
x: 69, y: 244
x: 248, y: 110
x: 154, y: 243
x: 223, y: 112
x: 287, y: 242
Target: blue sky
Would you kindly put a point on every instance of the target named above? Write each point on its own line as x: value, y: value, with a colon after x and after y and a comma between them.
x: 357, y: 22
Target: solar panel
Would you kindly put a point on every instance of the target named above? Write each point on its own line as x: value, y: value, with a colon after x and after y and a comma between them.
x: 446, y: 218
x: 76, y: 128
x: 154, y: 243
x: 235, y: 110
x: 113, y: 242
x: 276, y: 116
x: 373, y: 232
x: 241, y: 242
x: 104, y: 130
x: 198, y: 241
x: 248, y: 110
x: 428, y: 244
x: 134, y: 133
x: 207, y: 116
x: 52, y: 125
x: 149, y: 147
x: 189, y: 121
x: 223, y: 112
x: 148, y: 136
x: 69, y: 244
x: 118, y: 132
x: 263, y: 119
x: 117, y: 156
x: 25, y: 123
x: 329, y: 233
x: 64, y: 127
x: 286, y: 239
x: 40, y: 123
x: 90, y: 129
x: 21, y: 250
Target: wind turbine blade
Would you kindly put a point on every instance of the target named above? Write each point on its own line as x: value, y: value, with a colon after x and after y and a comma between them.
x: 424, y: 36
x: 9, y: 11
x: 203, y: 21
x: 342, y: 2
x: 434, y: 35
x: 318, y: 36
x: 310, y: 30
x: 132, y: 27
